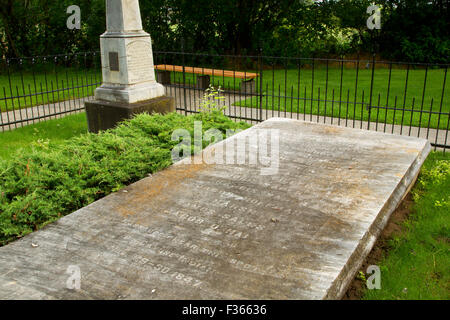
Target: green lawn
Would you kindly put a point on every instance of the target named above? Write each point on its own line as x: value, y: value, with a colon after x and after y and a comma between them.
x: 417, y: 265
x: 291, y: 90
x: 51, y: 131
x: 294, y: 90
x: 42, y: 87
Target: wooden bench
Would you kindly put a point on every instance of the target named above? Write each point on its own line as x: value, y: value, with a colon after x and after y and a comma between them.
x: 203, y: 80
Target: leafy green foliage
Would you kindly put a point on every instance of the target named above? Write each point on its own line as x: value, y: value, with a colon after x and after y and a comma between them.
x: 211, y: 100
x: 48, y: 182
x: 433, y: 176
x: 416, y: 30
x: 413, y: 30
x: 38, y: 27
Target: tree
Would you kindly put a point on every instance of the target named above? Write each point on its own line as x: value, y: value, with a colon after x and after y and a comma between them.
x: 38, y: 27
x: 417, y: 30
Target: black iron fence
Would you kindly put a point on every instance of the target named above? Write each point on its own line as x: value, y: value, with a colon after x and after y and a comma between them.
x: 41, y: 88
x: 395, y: 97
x: 402, y: 98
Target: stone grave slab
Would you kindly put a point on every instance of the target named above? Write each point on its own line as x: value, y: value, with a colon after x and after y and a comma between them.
x: 228, y: 231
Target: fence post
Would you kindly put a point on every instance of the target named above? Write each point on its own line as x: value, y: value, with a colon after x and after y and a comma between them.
x: 260, y: 83
x: 371, y: 90
x: 440, y: 109
x: 184, y: 77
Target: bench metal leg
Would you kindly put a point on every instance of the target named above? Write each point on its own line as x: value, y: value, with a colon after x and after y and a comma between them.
x: 248, y: 86
x: 163, y: 76
x: 203, y: 82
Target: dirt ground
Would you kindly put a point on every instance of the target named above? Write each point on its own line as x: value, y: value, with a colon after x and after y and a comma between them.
x: 355, y: 290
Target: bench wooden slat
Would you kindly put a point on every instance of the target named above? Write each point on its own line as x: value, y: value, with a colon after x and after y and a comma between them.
x: 206, y: 71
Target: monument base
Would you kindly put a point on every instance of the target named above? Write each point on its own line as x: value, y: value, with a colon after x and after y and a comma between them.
x: 129, y: 93
x: 103, y: 115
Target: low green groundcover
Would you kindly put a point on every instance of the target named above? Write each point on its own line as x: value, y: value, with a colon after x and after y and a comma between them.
x: 40, y: 186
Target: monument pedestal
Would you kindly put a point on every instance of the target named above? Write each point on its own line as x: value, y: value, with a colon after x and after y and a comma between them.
x: 129, y: 85
x: 103, y: 115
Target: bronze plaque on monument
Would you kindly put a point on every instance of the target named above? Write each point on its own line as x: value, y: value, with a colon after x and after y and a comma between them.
x: 114, y: 61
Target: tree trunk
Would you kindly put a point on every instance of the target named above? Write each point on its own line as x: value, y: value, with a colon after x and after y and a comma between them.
x: 7, y: 15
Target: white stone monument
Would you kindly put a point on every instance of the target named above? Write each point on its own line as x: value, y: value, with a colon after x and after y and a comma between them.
x: 129, y: 84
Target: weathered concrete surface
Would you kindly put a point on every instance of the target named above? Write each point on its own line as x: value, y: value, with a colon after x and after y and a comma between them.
x: 225, y: 231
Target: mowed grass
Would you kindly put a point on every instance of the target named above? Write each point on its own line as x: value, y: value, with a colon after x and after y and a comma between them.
x: 307, y: 91
x: 25, y: 88
x: 347, y: 94
x: 417, y: 265
x: 52, y: 132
